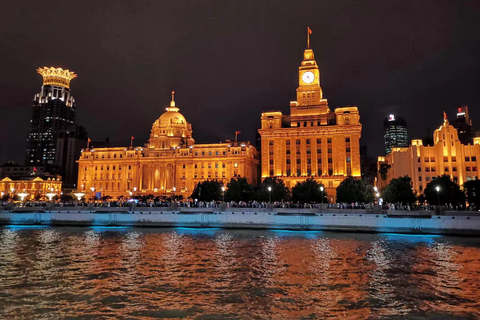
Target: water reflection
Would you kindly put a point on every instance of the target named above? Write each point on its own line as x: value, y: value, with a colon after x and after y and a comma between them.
x: 55, y: 273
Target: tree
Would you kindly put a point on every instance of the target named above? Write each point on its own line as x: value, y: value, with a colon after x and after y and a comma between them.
x: 449, y: 193
x: 399, y: 190
x: 308, y: 191
x: 66, y: 198
x: 208, y: 190
x: 472, y: 190
x: 353, y: 190
x: 384, y: 170
x: 279, y: 191
x: 238, y: 189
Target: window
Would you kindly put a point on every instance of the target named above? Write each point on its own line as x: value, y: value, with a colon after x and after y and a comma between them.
x: 474, y: 168
x: 468, y: 169
x: 271, y: 162
x: 319, y: 141
x: 347, y: 139
x: 329, y: 150
x: 288, y: 161
x: 454, y: 159
x: 288, y: 142
x: 427, y: 178
x: 270, y: 143
x: 329, y: 140
x: 454, y: 168
x: 319, y: 160
x: 308, y: 141
x: 432, y: 159
x: 329, y: 160
x: 319, y: 150
x: 348, y: 149
x: 299, y: 161
x: 445, y: 159
x: 297, y: 141
x: 446, y: 169
x: 349, y: 159
x: 474, y: 158
x: 419, y: 169
x: 288, y: 151
x: 434, y: 169
x: 427, y: 169
x: 183, y: 166
x: 467, y: 158
x: 427, y: 159
x: 419, y: 178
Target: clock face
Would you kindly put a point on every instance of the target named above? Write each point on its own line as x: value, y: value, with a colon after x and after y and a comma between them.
x: 308, y: 77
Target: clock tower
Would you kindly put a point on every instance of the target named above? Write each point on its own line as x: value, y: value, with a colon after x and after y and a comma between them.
x: 310, y: 104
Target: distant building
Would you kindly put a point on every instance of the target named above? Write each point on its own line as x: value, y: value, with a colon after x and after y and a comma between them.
x: 53, y: 111
x: 368, y: 165
x: 421, y: 163
x: 313, y: 141
x: 69, y: 148
x: 170, y: 163
x: 14, y: 170
x: 463, y: 124
x: 395, y: 133
x: 36, y: 187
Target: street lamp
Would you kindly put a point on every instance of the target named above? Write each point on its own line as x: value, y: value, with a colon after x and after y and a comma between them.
x: 50, y: 195
x: 79, y: 195
x: 22, y: 195
x: 321, y: 190
x: 438, y: 193
x: 223, y: 194
x: 93, y: 191
x: 269, y: 194
x: 174, y: 189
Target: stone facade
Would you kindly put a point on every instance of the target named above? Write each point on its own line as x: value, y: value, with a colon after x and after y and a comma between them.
x: 422, y: 163
x: 312, y: 140
x: 170, y: 164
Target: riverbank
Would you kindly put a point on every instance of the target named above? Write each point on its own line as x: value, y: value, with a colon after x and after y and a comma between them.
x: 410, y: 222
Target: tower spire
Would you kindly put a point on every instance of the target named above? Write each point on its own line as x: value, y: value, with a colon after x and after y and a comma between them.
x: 172, y: 103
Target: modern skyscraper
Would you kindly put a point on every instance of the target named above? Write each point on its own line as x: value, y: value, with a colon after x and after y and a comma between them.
x: 70, y: 143
x: 396, y: 134
x: 463, y: 124
x: 53, y: 112
x: 312, y: 140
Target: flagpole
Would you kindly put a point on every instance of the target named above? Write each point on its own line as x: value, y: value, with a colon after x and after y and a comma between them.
x: 131, y: 142
x: 88, y: 143
x: 308, y: 37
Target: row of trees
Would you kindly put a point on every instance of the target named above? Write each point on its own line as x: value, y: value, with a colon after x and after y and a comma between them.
x: 440, y: 191
x: 238, y: 189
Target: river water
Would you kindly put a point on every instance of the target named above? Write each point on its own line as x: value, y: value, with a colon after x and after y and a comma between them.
x: 127, y: 273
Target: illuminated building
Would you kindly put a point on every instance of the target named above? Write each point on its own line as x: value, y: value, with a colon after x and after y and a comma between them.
x: 312, y: 140
x: 35, y: 186
x: 463, y: 124
x: 422, y: 163
x: 170, y: 163
x: 53, y: 111
x: 396, y: 134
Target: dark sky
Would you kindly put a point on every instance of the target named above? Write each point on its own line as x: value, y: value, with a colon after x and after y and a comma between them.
x: 230, y: 60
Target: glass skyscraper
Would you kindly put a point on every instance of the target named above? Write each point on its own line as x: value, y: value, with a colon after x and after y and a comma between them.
x: 395, y: 133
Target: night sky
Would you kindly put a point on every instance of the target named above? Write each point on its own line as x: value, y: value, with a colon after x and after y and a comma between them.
x: 230, y: 60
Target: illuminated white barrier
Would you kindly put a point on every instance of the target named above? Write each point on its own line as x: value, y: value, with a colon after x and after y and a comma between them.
x: 242, y: 219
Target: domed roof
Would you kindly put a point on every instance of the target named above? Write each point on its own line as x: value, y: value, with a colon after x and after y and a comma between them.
x: 172, y: 117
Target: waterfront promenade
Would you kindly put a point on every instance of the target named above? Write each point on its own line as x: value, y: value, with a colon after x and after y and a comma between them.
x: 351, y: 220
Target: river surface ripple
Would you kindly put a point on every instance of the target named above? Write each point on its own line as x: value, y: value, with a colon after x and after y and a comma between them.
x: 126, y: 273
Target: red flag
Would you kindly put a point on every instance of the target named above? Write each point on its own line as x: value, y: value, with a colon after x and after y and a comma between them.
x: 133, y: 137
x: 309, y: 30
x: 34, y: 169
x: 89, y: 140
x: 237, y: 132
x: 444, y: 115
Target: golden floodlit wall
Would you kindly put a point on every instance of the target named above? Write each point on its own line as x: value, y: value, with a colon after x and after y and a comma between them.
x: 312, y: 140
x: 422, y: 163
x: 171, y: 163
